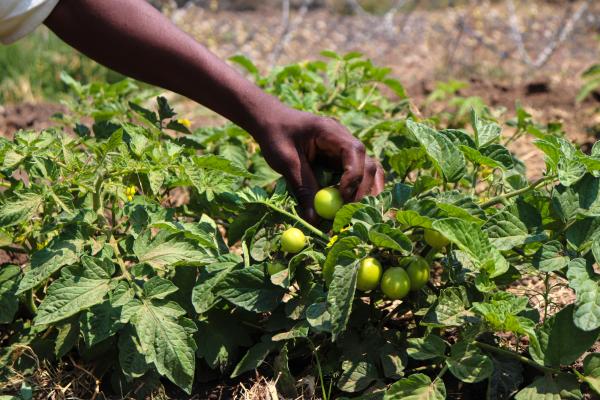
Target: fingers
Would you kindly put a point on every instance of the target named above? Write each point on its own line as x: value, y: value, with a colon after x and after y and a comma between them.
x: 353, y: 164
x: 304, y: 185
x: 367, y: 184
x: 362, y: 175
x: 379, y: 183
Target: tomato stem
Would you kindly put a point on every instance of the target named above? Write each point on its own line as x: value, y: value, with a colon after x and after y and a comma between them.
x: 516, y: 356
x: 298, y: 219
x: 505, y: 196
x: 30, y: 302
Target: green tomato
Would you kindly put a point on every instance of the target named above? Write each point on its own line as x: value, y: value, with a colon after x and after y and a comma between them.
x: 275, y: 267
x: 369, y: 274
x: 435, y: 239
x: 418, y: 272
x: 395, y: 283
x: 292, y: 240
x: 327, y: 202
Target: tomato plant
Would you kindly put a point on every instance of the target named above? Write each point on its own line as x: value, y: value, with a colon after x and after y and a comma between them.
x: 110, y: 268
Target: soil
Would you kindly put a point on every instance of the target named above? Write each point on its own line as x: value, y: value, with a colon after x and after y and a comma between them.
x: 27, y: 116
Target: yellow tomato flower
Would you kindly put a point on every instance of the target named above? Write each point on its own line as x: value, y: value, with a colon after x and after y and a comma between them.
x: 130, y: 191
x: 41, y: 245
x: 185, y: 122
x: 332, y: 241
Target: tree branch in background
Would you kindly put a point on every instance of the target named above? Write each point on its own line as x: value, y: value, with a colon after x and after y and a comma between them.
x: 288, y: 29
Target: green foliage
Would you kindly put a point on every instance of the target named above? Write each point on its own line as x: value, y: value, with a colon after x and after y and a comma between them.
x: 117, y: 271
x: 31, y: 68
x: 591, y: 77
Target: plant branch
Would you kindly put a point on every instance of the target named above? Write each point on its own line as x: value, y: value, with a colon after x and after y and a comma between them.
x: 505, y: 196
x: 516, y: 356
x: 296, y: 218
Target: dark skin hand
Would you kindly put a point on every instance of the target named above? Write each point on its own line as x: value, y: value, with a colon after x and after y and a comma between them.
x: 133, y: 38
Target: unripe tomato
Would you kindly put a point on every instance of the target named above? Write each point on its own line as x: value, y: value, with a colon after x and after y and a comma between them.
x: 369, y: 274
x: 292, y: 240
x: 395, y: 283
x: 435, y: 239
x: 418, y: 272
x: 327, y: 202
x: 275, y: 267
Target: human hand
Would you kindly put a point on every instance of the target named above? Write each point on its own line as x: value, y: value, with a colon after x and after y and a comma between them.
x: 297, y: 141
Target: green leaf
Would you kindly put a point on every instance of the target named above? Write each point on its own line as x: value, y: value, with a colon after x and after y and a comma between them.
x: 66, y: 338
x: 411, y: 218
x: 447, y: 157
x: 46, y: 262
x: 251, y: 289
x: 164, y: 109
x: 477, y: 158
x: 468, y: 363
x: 469, y: 238
x: 131, y: 354
x: 166, y: 250
x: 416, y: 387
x: 485, y: 131
x: 340, y: 295
x: 255, y: 357
x: 286, y: 383
x: 246, y: 63
x: 318, y: 317
x: 591, y: 371
x: 158, y: 288
x: 506, y: 231
x: 222, y: 336
x: 166, y: 339
x: 343, y: 245
x: 407, y: 159
x: 345, y: 214
x: 393, y: 361
x: 356, y: 376
x: 560, y: 341
x: 548, y: 388
x: 506, y: 378
x: 501, y: 312
x: 585, y: 282
x: 499, y: 154
x: 449, y: 310
x: 79, y: 288
x: 203, y: 296
x: 550, y: 257
x: 426, y: 348
x: 9, y: 302
x: 383, y: 235
x: 100, y: 322
x: 20, y: 209
x: 587, y: 312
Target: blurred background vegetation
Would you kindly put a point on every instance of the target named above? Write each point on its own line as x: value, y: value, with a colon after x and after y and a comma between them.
x: 451, y: 55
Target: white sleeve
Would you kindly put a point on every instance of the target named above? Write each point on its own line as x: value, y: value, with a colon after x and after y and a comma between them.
x: 20, y: 17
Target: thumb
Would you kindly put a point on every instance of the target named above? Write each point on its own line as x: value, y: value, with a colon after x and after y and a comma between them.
x: 304, y: 186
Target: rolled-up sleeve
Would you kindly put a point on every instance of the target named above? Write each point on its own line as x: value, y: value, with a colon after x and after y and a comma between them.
x: 20, y: 17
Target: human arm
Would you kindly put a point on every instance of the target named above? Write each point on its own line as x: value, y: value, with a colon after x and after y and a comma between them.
x: 133, y: 38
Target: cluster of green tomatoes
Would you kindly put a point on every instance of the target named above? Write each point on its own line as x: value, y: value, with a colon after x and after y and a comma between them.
x: 395, y: 282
